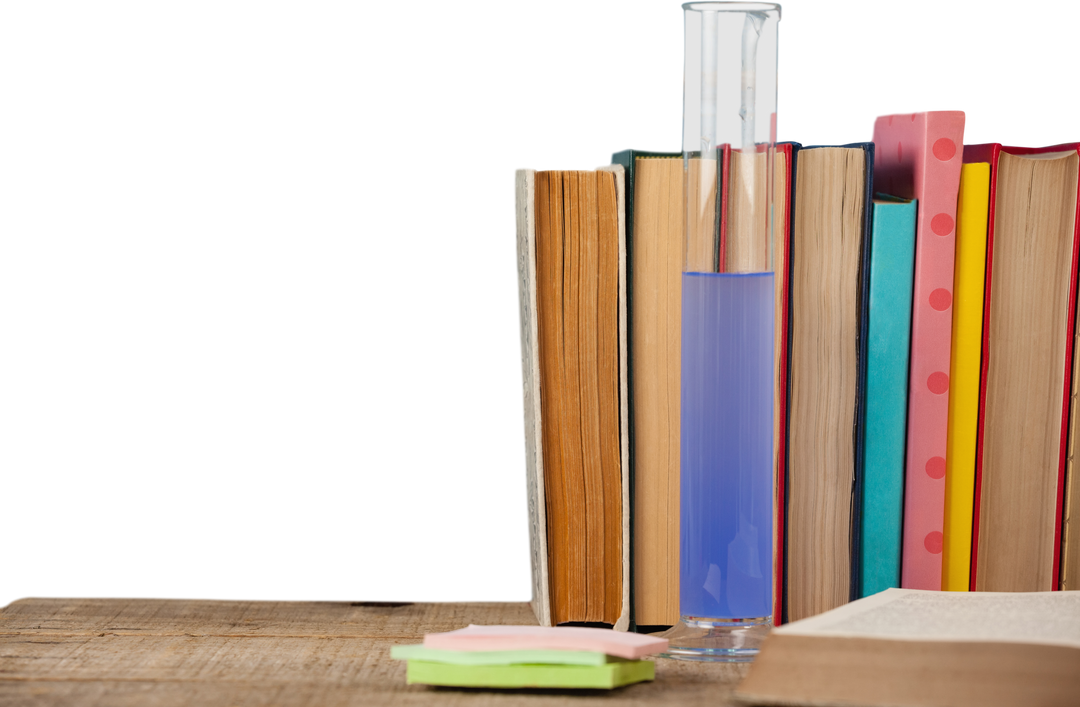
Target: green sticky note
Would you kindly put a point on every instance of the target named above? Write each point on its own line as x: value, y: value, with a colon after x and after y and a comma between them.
x: 607, y: 676
x: 438, y: 655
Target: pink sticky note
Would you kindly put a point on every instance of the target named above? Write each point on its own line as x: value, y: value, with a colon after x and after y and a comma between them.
x: 567, y: 638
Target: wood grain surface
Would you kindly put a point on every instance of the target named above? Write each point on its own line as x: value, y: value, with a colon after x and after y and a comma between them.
x: 154, y: 653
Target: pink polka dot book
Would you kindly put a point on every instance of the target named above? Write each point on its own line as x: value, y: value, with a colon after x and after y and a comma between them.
x: 918, y: 156
x: 1028, y: 384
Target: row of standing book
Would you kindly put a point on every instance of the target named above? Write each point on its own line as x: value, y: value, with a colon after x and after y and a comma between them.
x: 926, y: 383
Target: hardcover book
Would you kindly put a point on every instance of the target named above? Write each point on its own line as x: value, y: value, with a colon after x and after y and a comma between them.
x: 972, y: 211
x: 1026, y: 380
x: 654, y: 256
x: 829, y: 274
x: 892, y: 258
x: 572, y: 288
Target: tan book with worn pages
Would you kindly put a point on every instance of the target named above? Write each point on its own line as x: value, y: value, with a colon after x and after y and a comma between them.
x: 572, y: 277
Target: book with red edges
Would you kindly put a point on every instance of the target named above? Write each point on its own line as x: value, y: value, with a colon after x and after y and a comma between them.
x: 1026, y: 382
x: 732, y: 257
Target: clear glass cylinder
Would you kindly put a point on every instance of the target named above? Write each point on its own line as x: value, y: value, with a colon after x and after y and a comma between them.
x: 729, y: 302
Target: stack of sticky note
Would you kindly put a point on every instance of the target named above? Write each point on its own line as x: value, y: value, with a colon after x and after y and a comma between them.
x: 531, y: 656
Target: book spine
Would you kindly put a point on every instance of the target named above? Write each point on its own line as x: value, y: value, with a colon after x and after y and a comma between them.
x: 782, y: 237
x: 990, y: 154
x: 862, y: 343
x: 627, y: 160
x: 1063, y: 453
x: 530, y: 375
x: 783, y: 492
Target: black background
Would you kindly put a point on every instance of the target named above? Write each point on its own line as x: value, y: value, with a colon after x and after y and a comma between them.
x: 313, y: 395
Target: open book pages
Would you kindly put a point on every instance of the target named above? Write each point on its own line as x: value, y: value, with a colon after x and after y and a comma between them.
x: 1051, y: 618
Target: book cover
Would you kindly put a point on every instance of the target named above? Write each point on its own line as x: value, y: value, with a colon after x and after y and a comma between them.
x: 525, y: 184
x: 972, y: 211
x: 892, y: 260
x: 783, y: 199
x: 919, y: 157
x: 999, y: 558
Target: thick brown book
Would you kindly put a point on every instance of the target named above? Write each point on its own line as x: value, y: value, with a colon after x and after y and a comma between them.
x: 1022, y: 455
x: 919, y: 648
x: 829, y: 289
x: 572, y: 276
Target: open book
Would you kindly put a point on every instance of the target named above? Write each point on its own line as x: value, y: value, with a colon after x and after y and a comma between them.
x: 916, y: 647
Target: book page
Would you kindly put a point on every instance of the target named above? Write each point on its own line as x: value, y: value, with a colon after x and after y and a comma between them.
x: 656, y: 274
x: 623, y: 622
x: 918, y: 615
x: 828, y: 237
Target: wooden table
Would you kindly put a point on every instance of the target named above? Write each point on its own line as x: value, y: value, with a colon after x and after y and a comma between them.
x: 152, y: 652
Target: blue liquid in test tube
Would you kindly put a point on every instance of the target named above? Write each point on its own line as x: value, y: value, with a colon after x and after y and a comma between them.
x: 727, y: 445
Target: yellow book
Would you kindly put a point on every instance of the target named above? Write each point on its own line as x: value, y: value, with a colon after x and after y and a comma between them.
x: 970, y: 269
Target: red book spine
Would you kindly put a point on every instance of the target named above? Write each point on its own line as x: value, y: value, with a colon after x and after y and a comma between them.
x: 1063, y: 454
x: 782, y: 237
x: 983, y: 153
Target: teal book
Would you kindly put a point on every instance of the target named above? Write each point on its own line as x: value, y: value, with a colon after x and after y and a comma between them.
x: 892, y: 264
